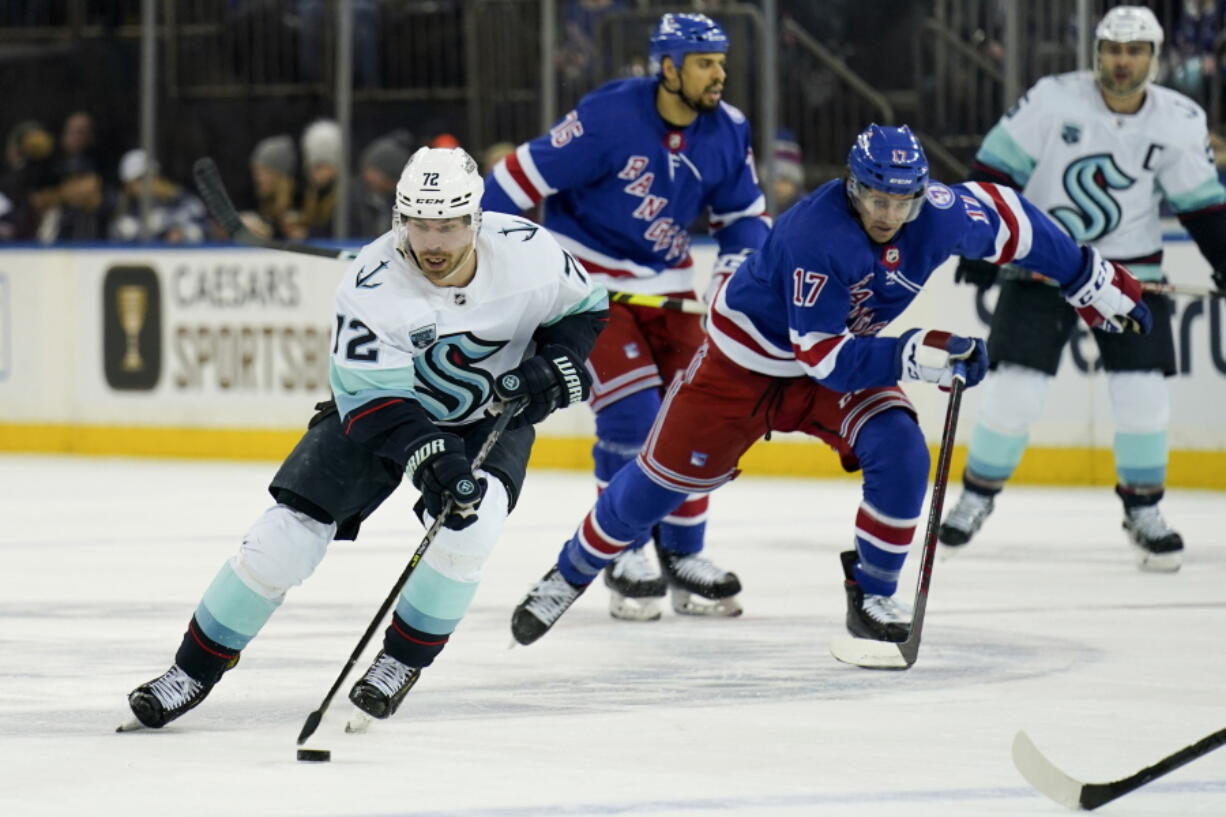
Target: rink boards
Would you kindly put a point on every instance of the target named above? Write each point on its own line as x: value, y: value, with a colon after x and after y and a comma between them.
x: 221, y: 352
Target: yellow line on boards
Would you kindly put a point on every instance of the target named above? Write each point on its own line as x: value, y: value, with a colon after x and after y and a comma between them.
x: 1040, y: 465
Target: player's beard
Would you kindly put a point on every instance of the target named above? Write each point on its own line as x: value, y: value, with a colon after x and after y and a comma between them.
x: 700, y: 104
x: 1108, y: 82
x: 439, y: 273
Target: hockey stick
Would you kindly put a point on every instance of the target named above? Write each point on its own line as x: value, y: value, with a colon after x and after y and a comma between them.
x: 217, y: 201
x: 871, y: 654
x: 221, y: 207
x: 687, y: 305
x: 1055, y: 784
x: 312, y: 722
x: 1158, y: 287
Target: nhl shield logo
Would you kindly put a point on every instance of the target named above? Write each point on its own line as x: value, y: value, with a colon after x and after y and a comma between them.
x: 891, y: 257
x: 1071, y: 133
x: 423, y: 337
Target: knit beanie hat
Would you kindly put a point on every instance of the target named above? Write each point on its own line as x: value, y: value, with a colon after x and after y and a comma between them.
x: 276, y: 153
x: 321, y: 144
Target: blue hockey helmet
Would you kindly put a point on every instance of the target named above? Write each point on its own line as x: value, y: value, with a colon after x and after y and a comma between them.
x: 679, y: 34
x: 888, y: 160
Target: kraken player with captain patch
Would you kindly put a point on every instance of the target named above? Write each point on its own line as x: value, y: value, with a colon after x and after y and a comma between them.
x: 1097, y: 151
x: 435, y: 321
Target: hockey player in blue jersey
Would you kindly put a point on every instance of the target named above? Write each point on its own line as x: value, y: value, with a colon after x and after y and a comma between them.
x: 794, y: 346
x: 621, y: 178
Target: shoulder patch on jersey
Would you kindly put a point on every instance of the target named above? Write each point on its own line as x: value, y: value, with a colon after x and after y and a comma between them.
x: 940, y: 196
x: 733, y: 111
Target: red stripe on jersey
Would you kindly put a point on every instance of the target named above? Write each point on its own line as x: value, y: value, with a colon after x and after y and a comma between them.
x: 729, y: 328
x: 590, y: 536
x: 521, y: 178
x: 692, y: 508
x: 815, y: 354
x: 1009, y: 218
x: 891, y: 534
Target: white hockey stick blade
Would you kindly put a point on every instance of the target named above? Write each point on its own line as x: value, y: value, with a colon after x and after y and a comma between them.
x: 1043, y: 774
x: 130, y: 726
x: 868, y: 653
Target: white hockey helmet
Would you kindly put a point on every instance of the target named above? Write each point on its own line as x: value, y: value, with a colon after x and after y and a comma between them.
x: 1129, y: 24
x: 438, y: 183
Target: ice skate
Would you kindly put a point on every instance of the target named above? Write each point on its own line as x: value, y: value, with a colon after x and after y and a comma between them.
x: 379, y: 692
x: 697, y: 587
x: 545, y: 603
x: 963, y: 522
x: 165, y: 698
x: 871, y: 616
x: 1158, y: 548
x: 635, y: 586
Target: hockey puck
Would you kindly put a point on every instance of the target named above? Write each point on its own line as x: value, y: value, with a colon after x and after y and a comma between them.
x: 314, y: 755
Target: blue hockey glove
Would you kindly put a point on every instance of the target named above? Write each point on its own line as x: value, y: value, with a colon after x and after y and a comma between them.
x: 553, y: 379
x: 929, y: 355
x: 976, y: 271
x: 439, y: 469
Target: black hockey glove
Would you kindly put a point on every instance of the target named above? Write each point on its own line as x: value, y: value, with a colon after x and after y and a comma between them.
x: 439, y: 469
x: 551, y: 380
x: 976, y: 271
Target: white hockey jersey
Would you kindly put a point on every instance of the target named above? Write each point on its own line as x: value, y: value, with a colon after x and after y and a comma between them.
x: 397, y: 334
x: 1101, y: 174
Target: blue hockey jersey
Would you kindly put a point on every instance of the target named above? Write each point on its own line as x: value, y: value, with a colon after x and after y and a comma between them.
x: 812, y: 300
x: 621, y: 187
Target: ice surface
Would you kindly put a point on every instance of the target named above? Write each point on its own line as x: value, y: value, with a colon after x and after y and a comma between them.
x: 1043, y: 623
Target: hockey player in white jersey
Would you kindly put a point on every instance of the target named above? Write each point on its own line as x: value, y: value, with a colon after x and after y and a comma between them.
x: 436, y: 321
x: 1097, y: 151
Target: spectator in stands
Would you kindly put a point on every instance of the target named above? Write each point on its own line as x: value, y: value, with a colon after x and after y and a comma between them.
x: 493, y: 154
x: 29, y: 182
x: 578, y: 56
x: 175, y: 215
x: 77, y: 137
x: 789, y: 180
x: 85, y: 205
x: 322, y: 154
x: 378, y: 171
x: 1192, y: 59
x: 274, y: 162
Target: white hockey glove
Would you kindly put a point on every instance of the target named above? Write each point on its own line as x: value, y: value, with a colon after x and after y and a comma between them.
x: 1107, y: 297
x: 929, y: 355
x: 725, y: 265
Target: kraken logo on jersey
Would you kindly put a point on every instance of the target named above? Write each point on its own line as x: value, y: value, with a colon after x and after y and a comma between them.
x: 1095, y: 212
x: 448, y: 385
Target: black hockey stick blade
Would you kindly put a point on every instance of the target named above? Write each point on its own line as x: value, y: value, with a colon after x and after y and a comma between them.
x: 216, y: 199
x: 869, y: 653
x: 213, y: 193
x: 1073, y: 794
x: 506, y: 412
